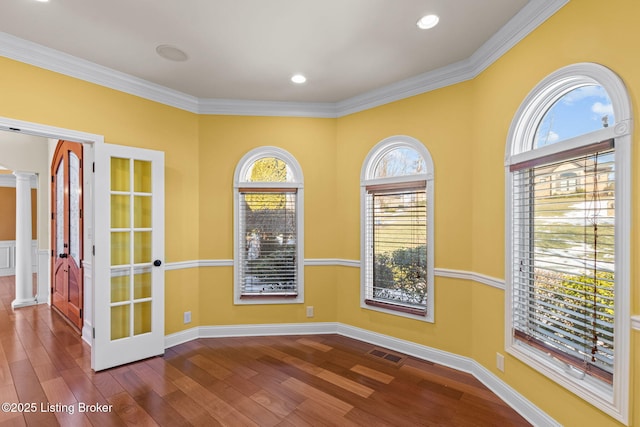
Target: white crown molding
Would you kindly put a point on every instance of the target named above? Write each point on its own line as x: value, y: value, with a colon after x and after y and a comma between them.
x: 50, y: 59
x: 9, y: 180
x: 432, y: 80
x: 524, y: 22
x: 236, y: 107
x: 465, y: 364
x: 518, y: 27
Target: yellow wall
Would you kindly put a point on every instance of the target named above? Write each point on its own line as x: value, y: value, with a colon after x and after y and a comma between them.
x: 464, y: 127
x: 437, y: 119
x: 582, y: 31
x: 35, y: 95
x: 8, y: 213
x: 224, y: 140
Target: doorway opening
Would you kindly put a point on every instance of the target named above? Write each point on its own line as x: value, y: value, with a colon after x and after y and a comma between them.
x: 49, y: 136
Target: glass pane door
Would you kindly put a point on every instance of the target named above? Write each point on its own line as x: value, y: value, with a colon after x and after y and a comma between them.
x: 131, y: 248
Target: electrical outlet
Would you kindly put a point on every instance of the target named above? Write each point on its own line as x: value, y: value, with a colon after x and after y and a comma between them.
x: 500, y: 362
x: 309, y: 311
x: 187, y: 317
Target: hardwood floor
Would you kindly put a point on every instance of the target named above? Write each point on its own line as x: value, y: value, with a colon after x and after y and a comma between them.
x: 319, y: 380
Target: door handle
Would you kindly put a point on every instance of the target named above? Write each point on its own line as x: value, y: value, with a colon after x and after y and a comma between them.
x: 63, y: 255
x: 157, y: 263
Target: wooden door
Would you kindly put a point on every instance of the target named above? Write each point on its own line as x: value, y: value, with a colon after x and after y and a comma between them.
x: 66, y: 231
x: 128, y: 262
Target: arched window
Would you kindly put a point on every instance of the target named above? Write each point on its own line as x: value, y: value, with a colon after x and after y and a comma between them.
x: 268, y: 228
x: 568, y: 176
x: 397, y: 228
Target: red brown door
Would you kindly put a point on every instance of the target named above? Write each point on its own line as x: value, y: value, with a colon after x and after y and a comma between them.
x: 66, y: 231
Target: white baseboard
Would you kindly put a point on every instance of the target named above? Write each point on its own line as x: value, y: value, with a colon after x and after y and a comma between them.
x: 87, y: 332
x: 514, y: 399
x: 249, y: 331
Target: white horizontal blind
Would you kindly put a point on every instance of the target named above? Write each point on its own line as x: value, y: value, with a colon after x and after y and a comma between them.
x: 268, y: 238
x: 564, y: 258
x: 397, y: 245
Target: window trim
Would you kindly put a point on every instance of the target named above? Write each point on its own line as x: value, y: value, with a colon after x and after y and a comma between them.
x: 367, y: 180
x: 295, y: 185
x: 613, y: 400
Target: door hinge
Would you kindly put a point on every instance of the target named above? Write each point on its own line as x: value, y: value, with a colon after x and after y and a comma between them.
x: 52, y: 255
x: 93, y: 250
x: 94, y: 333
x: 53, y: 178
x: 52, y: 215
x: 93, y: 167
x: 81, y: 313
x: 80, y: 214
x: 81, y: 262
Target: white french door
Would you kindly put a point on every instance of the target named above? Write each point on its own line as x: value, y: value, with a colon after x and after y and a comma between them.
x: 128, y: 299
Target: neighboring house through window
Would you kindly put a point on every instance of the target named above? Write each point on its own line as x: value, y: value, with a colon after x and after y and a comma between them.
x: 268, y: 228
x: 397, y: 229
x: 568, y: 175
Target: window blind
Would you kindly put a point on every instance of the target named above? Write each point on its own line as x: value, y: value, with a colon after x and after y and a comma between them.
x: 268, y: 236
x: 564, y: 256
x: 397, y: 258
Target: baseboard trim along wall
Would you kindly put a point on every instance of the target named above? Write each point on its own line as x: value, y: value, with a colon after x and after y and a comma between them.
x: 514, y: 399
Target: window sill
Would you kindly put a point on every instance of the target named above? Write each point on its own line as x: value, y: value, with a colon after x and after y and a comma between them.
x: 397, y: 307
x: 398, y: 310
x: 592, y: 390
x: 267, y: 299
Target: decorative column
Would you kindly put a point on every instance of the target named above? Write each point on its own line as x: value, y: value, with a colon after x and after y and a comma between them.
x: 24, y: 271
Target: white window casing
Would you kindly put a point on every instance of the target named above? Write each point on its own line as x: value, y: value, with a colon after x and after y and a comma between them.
x: 397, y: 221
x: 536, y: 330
x: 268, y: 232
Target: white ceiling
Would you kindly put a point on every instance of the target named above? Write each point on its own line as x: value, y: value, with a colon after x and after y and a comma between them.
x: 248, y: 49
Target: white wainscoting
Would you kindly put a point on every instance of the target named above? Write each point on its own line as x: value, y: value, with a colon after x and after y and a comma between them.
x: 44, y: 284
x: 8, y: 257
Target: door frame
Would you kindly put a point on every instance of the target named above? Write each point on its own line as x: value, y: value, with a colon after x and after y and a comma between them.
x: 90, y: 142
x: 62, y: 151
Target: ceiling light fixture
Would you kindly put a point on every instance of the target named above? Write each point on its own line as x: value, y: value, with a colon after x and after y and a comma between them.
x: 427, y: 22
x: 171, y: 53
x: 298, y: 78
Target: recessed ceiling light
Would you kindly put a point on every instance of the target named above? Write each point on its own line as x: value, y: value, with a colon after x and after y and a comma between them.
x: 171, y: 53
x: 43, y: 1
x: 298, y: 78
x: 428, y: 21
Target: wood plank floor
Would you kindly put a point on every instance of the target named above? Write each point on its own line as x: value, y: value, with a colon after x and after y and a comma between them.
x: 319, y: 380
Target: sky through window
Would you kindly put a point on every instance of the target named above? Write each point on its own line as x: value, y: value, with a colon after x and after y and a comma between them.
x: 577, y: 112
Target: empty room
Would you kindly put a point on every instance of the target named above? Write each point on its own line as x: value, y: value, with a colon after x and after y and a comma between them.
x: 294, y: 212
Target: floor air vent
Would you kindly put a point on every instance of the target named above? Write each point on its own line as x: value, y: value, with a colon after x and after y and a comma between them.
x: 395, y: 358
